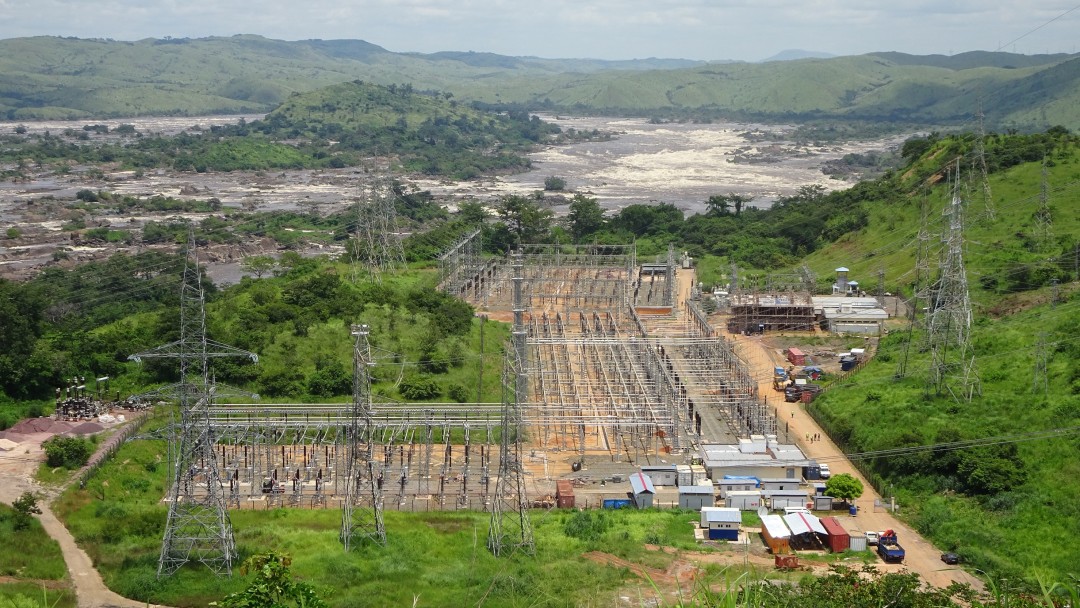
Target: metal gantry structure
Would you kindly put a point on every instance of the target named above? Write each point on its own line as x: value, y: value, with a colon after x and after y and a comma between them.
x: 462, y: 267
x: 584, y: 372
x: 198, y: 526
x: 362, y: 513
x: 952, y: 360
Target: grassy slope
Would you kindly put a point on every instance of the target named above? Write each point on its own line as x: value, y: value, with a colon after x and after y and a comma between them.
x: 1016, y: 533
x: 44, y: 563
x: 890, y: 240
x: 439, y: 558
x: 67, y: 77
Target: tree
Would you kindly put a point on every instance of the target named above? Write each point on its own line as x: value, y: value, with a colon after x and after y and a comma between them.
x: 472, y: 213
x: 738, y: 200
x: 258, y: 265
x: 718, y: 204
x: 586, y: 217
x: 273, y: 586
x: 525, y: 218
x: 844, y: 486
x: 25, y: 508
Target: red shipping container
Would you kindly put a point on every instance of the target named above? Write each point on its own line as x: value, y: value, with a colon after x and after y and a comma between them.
x: 806, y: 396
x: 796, y: 356
x: 839, y: 539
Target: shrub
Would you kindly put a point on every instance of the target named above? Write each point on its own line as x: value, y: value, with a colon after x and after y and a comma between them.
x: 554, y: 184
x: 67, y: 452
x: 418, y: 388
x: 458, y: 392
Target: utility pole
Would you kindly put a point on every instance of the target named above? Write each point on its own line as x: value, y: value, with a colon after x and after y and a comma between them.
x: 919, y: 292
x: 980, y: 159
x: 1044, y: 219
x: 1040, y: 383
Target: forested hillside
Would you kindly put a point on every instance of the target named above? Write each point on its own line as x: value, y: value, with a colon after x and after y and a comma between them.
x: 49, y: 77
x: 334, y: 126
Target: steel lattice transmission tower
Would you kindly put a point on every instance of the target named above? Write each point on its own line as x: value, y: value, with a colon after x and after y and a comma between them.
x: 198, y: 526
x: 1044, y: 217
x: 920, y: 293
x: 510, y: 530
x: 376, y: 244
x: 980, y: 160
x: 952, y: 361
x: 362, y: 512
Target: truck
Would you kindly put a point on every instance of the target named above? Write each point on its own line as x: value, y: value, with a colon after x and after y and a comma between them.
x: 888, y: 549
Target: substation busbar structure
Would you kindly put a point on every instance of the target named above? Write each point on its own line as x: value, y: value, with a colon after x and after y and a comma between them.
x: 591, y: 367
x: 611, y: 368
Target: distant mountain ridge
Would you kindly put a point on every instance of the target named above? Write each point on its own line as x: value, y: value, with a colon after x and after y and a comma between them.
x: 51, y: 77
x: 795, y: 54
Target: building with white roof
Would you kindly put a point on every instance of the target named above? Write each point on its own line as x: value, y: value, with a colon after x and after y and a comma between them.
x: 759, y: 456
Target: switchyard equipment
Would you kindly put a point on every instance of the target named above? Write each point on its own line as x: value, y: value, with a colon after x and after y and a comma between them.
x: 591, y: 368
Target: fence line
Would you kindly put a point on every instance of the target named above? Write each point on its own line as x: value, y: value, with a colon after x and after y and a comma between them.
x: 111, y: 447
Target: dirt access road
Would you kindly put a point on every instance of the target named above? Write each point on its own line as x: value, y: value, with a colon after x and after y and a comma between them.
x: 17, y: 468
x: 922, y: 557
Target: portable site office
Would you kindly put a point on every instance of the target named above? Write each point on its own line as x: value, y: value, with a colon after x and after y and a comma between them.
x: 721, y: 523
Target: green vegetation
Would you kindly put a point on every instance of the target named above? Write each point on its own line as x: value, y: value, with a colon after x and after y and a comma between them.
x: 37, y: 577
x: 273, y: 586
x: 439, y: 557
x: 843, y: 486
x: 298, y: 321
x: 1002, y: 507
x: 67, y: 452
x: 51, y: 78
x: 336, y: 126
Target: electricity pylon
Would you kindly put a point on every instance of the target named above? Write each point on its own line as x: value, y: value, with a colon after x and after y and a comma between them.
x: 362, y: 513
x: 376, y: 245
x: 198, y: 525
x: 952, y: 361
x: 510, y: 530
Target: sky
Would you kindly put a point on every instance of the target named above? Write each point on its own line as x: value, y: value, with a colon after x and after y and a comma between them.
x: 748, y: 30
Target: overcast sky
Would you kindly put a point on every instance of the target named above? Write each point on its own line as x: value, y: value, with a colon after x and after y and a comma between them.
x: 602, y: 29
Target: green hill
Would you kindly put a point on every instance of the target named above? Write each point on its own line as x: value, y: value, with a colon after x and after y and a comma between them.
x: 1004, y: 507
x: 48, y: 77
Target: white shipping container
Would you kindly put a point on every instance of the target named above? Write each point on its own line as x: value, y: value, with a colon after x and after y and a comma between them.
x: 858, y: 543
x: 699, y: 476
x: 686, y: 476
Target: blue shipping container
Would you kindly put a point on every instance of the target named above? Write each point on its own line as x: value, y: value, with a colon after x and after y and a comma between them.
x: 617, y: 503
x: 715, y: 534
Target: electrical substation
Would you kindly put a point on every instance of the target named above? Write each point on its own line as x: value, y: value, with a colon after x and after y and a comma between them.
x: 611, y: 366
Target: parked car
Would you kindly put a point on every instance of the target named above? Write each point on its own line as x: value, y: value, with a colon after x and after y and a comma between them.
x: 825, y: 472
x: 950, y: 558
x: 872, y: 537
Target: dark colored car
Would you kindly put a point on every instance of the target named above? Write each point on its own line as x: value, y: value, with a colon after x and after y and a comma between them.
x: 950, y: 558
